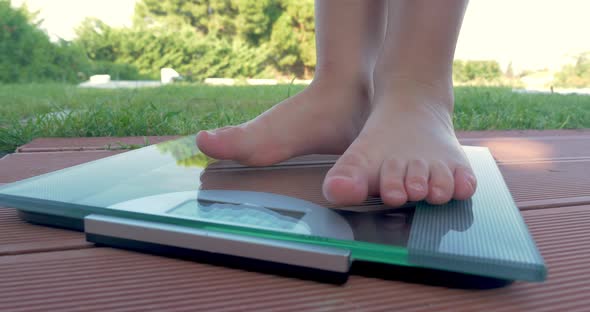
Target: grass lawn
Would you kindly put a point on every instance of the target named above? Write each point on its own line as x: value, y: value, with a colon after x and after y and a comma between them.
x: 59, y: 110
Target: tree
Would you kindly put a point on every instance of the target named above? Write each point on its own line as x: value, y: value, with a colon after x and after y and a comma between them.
x: 255, y: 19
x: 209, y: 38
x: 27, y: 53
x: 468, y: 71
x: 216, y: 17
x: 100, y: 41
x: 576, y: 75
x: 293, y: 38
x: 284, y: 29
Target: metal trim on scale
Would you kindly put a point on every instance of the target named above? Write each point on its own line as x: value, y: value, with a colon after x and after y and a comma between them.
x: 304, y: 255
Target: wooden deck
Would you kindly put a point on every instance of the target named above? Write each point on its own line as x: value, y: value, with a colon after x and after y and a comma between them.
x: 42, y: 268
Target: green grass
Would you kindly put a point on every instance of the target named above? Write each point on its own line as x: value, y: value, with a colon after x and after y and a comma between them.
x: 59, y: 110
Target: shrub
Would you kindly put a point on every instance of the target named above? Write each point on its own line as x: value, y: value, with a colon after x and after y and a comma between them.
x: 117, y: 71
x: 27, y: 53
x: 146, y: 51
x: 576, y: 75
x: 468, y: 71
x: 217, y: 38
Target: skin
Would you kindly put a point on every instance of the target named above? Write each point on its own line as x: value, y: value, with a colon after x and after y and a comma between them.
x: 382, y: 96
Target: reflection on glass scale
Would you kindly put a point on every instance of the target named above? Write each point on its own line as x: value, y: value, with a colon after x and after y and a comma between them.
x: 241, y: 197
x: 278, y: 213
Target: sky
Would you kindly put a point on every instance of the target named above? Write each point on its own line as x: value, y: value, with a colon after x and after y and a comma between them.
x: 532, y: 34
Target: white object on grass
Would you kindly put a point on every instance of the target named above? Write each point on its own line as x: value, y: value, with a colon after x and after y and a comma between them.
x: 100, y: 79
x: 168, y: 75
x: 261, y: 82
x: 220, y: 81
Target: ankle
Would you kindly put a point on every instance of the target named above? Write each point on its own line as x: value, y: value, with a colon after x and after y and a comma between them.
x: 429, y: 89
x: 339, y: 78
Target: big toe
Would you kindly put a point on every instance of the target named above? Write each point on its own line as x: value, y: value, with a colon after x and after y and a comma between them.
x: 222, y: 143
x: 249, y: 144
x: 347, y: 182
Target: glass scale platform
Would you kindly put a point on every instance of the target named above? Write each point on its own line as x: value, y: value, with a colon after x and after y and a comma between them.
x: 172, y: 195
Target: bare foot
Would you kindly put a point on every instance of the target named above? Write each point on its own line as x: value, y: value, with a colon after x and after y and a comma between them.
x: 407, y: 151
x: 323, y: 119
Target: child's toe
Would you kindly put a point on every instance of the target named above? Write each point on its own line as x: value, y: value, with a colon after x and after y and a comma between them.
x: 347, y: 182
x: 465, y: 183
x: 416, y: 181
x: 393, y: 172
x: 441, y: 185
x: 248, y: 144
x: 222, y: 143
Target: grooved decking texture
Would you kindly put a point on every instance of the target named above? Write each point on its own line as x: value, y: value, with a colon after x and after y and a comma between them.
x: 106, y: 279
x: 17, y: 236
x: 535, y: 148
x: 47, y: 269
x: 547, y: 181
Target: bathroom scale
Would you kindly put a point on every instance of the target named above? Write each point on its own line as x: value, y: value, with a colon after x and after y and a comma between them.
x: 173, y: 199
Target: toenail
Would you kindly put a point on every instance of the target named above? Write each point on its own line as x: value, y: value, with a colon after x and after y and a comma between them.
x: 471, y: 180
x: 396, y: 194
x: 343, y: 177
x: 437, y: 192
x: 418, y: 187
x: 471, y: 186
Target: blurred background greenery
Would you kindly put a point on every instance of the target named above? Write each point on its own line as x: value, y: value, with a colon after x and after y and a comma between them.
x: 199, y: 39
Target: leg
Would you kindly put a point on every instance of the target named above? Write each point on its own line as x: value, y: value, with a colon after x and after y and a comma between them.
x: 407, y: 149
x: 348, y: 35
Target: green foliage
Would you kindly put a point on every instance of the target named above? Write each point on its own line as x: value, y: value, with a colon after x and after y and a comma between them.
x: 215, y: 17
x: 210, y: 38
x: 469, y: 71
x: 293, y: 39
x: 27, y: 53
x: 100, y: 41
x: 193, y: 55
x: 117, y: 71
x: 255, y: 19
x: 576, y: 75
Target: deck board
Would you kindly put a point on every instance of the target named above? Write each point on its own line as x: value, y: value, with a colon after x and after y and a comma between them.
x: 548, y: 183
x: 18, y: 236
